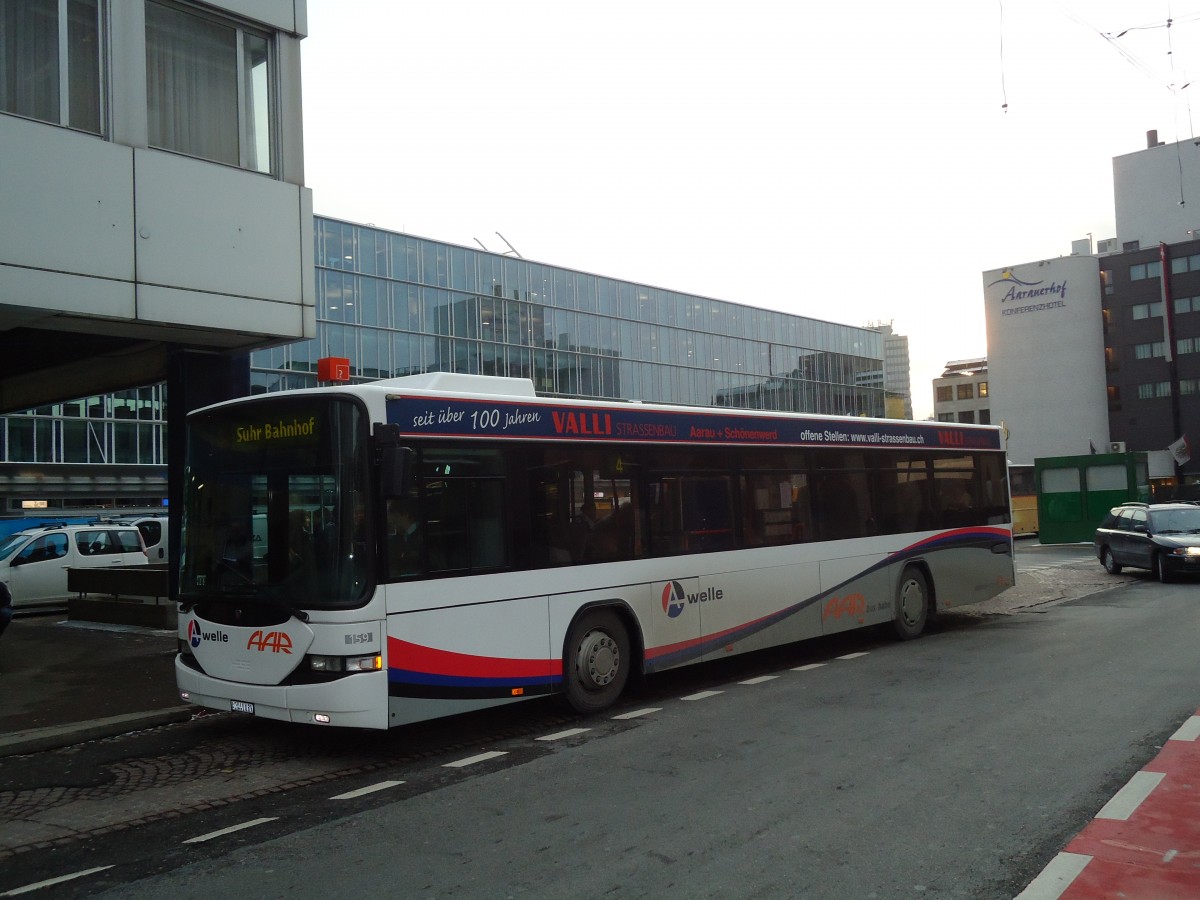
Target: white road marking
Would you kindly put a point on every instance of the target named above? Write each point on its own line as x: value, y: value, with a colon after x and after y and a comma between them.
x: 637, y: 713
x: 370, y: 789
x: 570, y: 732
x: 1127, y: 799
x: 853, y: 655
x: 1188, y: 731
x: 1056, y: 877
x: 760, y: 679
x: 471, y: 760
x: 49, y: 882
x: 807, y: 668
x: 703, y: 695
x: 230, y: 830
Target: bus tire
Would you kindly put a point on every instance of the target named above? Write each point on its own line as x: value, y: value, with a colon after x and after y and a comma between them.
x: 912, y: 604
x: 596, y: 661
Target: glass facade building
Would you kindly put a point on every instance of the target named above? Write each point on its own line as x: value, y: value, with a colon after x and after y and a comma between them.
x: 395, y: 304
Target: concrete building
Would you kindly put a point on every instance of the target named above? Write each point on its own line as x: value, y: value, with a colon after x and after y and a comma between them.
x: 897, y: 371
x: 155, y: 224
x: 1156, y: 193
x: 1046, y: 356
x: 961, y: 394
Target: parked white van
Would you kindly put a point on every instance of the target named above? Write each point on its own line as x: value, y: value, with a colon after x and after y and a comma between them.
x: 34, y: 562
x: 154, y: 534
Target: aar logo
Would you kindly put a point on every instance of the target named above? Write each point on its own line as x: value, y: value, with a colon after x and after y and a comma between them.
x: 673, y: 598
x: 275, y: 641
x: 193, y: 634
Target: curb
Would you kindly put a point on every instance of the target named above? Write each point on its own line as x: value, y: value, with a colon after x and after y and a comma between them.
x: 55, y: 737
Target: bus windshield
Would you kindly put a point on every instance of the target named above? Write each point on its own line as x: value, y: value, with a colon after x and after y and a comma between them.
x: 276, y: 505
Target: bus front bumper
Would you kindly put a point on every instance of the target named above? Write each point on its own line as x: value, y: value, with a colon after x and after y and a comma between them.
x: 356, y: 701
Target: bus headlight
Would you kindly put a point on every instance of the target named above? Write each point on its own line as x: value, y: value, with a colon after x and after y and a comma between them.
x: 373, y: 663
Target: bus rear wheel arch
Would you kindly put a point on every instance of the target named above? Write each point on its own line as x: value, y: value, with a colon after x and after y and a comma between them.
x: 597, y: 660
x: 914, y: 603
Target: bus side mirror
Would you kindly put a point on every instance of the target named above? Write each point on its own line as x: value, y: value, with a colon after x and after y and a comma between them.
x: 395, y: 470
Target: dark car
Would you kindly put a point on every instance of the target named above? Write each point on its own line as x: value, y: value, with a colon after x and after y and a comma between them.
x: 1162, y: 537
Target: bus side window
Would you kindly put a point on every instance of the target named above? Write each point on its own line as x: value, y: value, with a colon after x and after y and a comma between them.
x: 464, y: 520
x: 842, y: 505
x: 405, y: 553
x: 775, y: 509
x: 548, y: 524
x: 706, y: 514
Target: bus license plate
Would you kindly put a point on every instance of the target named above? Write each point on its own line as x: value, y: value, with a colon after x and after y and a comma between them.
x: 241, y: 706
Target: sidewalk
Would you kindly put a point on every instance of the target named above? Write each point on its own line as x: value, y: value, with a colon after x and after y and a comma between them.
x: 53, y: 677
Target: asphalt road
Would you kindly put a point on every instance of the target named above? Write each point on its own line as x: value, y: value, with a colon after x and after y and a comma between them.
x: 952, y: 766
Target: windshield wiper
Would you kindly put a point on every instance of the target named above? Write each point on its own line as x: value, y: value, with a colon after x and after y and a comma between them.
x: 270, y: 599
x: 249, y: 588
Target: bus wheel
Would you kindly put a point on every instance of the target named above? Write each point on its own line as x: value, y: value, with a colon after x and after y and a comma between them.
x: 912, y: 604
x: 597, y: 660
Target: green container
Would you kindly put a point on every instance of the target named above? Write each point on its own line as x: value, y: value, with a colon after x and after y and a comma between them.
x: 1075, y: 492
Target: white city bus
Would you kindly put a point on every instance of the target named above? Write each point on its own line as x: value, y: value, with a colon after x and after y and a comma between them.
x: 418, y: 547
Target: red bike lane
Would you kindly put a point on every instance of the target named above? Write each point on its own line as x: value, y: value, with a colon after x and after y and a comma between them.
x: 1144, y: 844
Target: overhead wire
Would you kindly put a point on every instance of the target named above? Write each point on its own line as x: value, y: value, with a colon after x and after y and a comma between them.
x: 1113, y: 40
x: 1175, y: 94
x: 1003, y: 87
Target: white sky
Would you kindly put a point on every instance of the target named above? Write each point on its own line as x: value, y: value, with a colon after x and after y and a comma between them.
x: 849, y: 162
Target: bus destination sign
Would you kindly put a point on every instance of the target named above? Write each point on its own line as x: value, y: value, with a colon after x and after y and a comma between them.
x: 452, y: 417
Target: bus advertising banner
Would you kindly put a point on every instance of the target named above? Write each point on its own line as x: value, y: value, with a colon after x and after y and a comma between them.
x: 451, y: 417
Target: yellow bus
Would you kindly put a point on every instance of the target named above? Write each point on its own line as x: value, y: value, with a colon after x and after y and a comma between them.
x: 1023, y: 486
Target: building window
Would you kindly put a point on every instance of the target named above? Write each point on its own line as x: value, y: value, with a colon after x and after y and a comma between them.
x: 967, y: 417
x: 1146, y: 310
x: 1150, y: 350
x: 1187, y: 386
x: 1185, y: 346
x: 1154, y: 389
x: 985, y: 417
x: 945, y: 417
x: 945, y: 394
x: 50, y: 61
x: 1142, y: 271
x: 208, y: 87
x: 1185, y: 264
x: 966, y: 392
x: 983, y: 389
